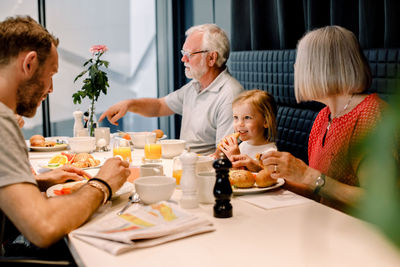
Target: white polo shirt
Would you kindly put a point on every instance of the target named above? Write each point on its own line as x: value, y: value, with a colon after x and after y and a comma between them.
x: 206, y: 115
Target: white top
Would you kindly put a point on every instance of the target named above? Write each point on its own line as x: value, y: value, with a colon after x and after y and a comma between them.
x: 252, y: 151
x: 206, y: 115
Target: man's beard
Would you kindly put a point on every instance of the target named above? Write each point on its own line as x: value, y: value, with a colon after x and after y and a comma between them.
x: 198, y: 73
x: 29, y: 95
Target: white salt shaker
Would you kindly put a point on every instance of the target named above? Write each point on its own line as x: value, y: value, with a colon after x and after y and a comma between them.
x: 189, y: 198
x: 78, y: 124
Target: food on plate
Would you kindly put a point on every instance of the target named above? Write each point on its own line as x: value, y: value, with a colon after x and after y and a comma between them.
x: 126, y: 136
x: 241, y: 178
x: 58, y: 160
x: 37, y: 140
x: 85, y: 160
x: 264, y: 179
x: 225, y: 139
x: 81, y: 160
x: 159, y: 133
x: 67, y: 189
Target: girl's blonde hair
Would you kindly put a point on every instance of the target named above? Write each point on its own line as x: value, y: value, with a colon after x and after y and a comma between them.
x: 330, y: 62
x: 264, y: 103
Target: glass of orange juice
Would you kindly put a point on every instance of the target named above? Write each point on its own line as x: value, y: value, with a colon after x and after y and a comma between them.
x: 122, y: 148
x: 177, y: 170
x: 152, y: 149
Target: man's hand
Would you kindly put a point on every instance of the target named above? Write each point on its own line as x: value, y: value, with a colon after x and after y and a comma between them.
x: 61, y: 175
x: 115, y: 112
x: 114, y: 172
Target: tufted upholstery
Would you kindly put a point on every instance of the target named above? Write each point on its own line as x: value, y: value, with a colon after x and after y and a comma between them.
x: 272, y: 71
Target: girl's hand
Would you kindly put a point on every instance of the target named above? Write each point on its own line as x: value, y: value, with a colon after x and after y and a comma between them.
x: 244, y: 160
x: 230, y: 147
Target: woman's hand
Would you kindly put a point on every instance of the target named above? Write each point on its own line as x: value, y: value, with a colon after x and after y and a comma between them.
x: 230, y: 147
x: 284, y: 164
x: 61, y: 175
x: 243, y: 160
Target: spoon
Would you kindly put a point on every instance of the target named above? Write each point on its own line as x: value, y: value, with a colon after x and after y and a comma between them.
x: 134, y: 198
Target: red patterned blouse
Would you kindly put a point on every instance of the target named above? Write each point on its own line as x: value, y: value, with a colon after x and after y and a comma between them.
x: 334, y: 155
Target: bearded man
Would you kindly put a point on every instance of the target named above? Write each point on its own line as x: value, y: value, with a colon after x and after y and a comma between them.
x: 205, y: 103
x: 28, y: 61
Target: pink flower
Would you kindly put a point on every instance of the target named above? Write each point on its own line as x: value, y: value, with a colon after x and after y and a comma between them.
x: 98, y: 49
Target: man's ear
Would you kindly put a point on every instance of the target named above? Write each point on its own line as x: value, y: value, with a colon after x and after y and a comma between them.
x: 212, y: 58
x: 30, y: 63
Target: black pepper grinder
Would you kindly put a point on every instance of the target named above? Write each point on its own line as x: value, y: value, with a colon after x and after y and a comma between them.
x: 222, y: 188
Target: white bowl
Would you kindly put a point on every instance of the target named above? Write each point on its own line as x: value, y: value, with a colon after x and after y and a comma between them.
x: 82, y: 144
x: 204, y: 164
x: 152, y: 189
x: 172, y: 147
x: 139, y: 138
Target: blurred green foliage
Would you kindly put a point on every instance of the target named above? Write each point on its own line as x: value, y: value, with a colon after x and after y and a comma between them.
x: 381, y: 203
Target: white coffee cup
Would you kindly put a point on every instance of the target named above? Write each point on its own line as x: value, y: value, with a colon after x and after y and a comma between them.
x: 151, y: 169
x: 205, y: 185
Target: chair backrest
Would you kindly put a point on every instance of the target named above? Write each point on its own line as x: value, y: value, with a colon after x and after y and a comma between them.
x: 272, y: 71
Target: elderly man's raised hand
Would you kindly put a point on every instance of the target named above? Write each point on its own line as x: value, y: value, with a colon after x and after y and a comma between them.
x: 114, y: 172
x: 115, y: 112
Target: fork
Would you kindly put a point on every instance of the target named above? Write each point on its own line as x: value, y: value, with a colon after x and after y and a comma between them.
x: 134, y: 198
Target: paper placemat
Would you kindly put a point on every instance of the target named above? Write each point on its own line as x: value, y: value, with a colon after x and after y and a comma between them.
x: 275, y: 199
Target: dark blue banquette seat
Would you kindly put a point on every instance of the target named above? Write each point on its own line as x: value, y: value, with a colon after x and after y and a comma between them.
x: 272, y: 71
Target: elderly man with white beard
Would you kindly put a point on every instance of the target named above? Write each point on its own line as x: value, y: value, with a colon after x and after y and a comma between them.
x: 205, y: 103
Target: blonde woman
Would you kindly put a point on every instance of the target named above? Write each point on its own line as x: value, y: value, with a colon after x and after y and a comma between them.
x: 254, y: 113
x: 331, y: 68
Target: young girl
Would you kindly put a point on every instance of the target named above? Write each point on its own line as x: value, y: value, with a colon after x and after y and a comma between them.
x: 254, y: 114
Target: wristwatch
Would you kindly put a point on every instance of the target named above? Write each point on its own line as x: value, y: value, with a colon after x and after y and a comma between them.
x: 319, y: 183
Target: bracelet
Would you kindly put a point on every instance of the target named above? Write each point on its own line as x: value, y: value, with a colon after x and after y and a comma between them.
x: 101, y: 187
x: 106, y: 184
x: 319, y: 183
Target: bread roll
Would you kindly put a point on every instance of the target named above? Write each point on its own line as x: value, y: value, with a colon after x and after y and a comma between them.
x: 37, y: 140
x: 224, y: 140
x: 241, y: 178
x: 159, y: 133
x: 263, y: 179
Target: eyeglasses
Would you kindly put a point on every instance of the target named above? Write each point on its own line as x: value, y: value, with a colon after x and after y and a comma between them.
x: 190, y: 54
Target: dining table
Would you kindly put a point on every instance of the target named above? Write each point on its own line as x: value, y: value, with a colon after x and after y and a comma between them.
x: 269, y: 228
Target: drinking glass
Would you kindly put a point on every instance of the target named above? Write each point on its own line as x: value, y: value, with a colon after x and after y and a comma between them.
x: 177, y: 170
x: 122, y: 148
x: 152, y: 149
x: 102, y: 133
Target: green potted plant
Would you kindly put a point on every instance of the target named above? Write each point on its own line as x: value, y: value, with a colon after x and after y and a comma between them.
x: 94, y: 84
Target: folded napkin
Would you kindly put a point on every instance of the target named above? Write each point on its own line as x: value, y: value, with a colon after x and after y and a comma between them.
x: 275, y: 199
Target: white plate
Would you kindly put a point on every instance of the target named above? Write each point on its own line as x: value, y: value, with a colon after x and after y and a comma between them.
x: 45, y: 166
x: 256, y: 190
x: 49, y: 149
x: 163, y: 137
x: 127, y: 187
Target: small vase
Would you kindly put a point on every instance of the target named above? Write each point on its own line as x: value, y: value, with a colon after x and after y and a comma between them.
x: 92, y: 121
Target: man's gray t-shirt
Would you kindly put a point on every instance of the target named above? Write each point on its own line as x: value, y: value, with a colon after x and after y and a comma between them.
x: 206, y: 115
x: 14, y: 160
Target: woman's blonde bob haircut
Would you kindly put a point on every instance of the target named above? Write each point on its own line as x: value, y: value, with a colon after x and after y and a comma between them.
x: 330, y: 62
x: 265, y: 104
